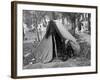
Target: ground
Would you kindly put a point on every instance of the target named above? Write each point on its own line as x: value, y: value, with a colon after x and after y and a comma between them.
x: 83, y: 59
x: 69, y: 63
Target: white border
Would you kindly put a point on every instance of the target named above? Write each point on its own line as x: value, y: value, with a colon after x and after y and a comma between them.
x: 30, y: 72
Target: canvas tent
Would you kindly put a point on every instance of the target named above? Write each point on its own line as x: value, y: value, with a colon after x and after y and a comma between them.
x: 51, y: 44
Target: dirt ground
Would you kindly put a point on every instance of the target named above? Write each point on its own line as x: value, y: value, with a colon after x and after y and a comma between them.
x: 55, y: 64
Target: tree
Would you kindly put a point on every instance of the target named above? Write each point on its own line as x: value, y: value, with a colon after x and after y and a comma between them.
x: 89, y: 27
x: 72, y: 17
x: 37, y: 17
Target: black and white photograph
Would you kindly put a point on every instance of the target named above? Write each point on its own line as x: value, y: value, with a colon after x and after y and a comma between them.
x: 60, y: 39
x: 56, y: 39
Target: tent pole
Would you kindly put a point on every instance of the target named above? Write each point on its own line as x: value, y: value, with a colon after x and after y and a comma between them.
x: 55, y: 48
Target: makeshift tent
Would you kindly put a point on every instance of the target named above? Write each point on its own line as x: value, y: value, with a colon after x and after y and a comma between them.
x: 53, y: 43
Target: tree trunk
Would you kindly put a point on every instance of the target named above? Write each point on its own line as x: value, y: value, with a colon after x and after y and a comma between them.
x: 89, y: 23
x: 37, y: 32
x: 36, y: 25
x: 73, y: 28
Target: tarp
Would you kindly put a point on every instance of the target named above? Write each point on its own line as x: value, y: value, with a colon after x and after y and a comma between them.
x: 67, y: 35
x: 44, y: 51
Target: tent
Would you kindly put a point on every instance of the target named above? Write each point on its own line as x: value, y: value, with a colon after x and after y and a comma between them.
x: 53, y: 43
